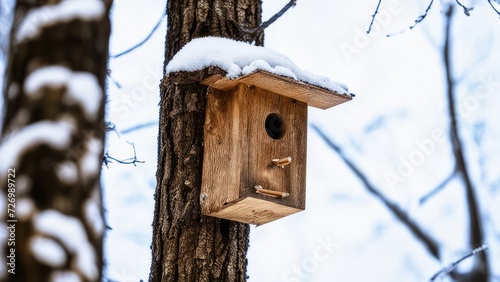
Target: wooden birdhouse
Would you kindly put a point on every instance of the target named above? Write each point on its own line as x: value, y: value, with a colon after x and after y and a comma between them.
x: 254, y: 165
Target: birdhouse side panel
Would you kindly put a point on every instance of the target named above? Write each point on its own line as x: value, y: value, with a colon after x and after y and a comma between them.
x: 225, y: 147
x: 277, y: 148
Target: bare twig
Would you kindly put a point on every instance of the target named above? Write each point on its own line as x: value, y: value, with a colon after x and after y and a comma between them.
x: 110, y: 126
x: 267, y: 23
x: 143, y: 41
x: 422, y: 17
x: 493, y: 6
x: 417, y: 21
x: 139, y: 126
x: 446, y: 270
x: 254, y: 33
x: 438, y: 188
x: 107, y: 158
x: 417, y: 231
x: 116, y: 83
x: 373, y: 16
x: 466, y: 10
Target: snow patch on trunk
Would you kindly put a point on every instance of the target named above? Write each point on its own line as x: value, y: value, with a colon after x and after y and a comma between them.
x: 82, y: 87
x: 65, y: 11
x: 71, y: 233
x: 55, y: 134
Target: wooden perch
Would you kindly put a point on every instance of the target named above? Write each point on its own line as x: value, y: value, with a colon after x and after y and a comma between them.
x: 270, y: 193
x: 282, y: 162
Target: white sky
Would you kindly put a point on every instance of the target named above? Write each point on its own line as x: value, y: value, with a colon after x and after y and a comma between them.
x: 344, y: 234
x: 398, y: 82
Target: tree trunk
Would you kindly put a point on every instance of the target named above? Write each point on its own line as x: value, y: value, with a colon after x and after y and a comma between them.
x: 52, y: 141
x: 187, y: 246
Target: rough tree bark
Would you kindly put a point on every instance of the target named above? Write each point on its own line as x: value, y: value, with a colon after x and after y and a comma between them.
x: 52, y: 140
x: 187, y: 246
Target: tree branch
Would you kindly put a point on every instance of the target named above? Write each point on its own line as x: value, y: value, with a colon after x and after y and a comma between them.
x: 495, y: 9
x: 254, y: 33
x: 139, y: 126
x: 475, y: 228
x: 143, y: 41
x: 106, y: 158
x: 436, y: 190
x: 425, y: 239
x: 466, y: 10
x: 116, y: 83
x: 417, y: 21
x: 446, y: 270
x: 422, y: 17
x: 373, y: 17
x: 267, y: 23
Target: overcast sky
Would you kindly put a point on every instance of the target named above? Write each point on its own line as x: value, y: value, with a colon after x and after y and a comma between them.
x: 344, y: 234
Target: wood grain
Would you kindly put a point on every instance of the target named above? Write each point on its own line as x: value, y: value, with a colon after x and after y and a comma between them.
x: 238, y: 155
x: 312, y: 95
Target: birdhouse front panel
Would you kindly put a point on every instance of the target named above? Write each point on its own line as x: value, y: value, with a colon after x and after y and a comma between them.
x: 277, y: 151
x: 254, y: 155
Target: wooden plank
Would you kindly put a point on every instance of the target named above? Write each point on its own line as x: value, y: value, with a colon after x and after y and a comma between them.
x: 312, y: 95
x: 224, y: 157
x: 254, y: 211
x: 263, y: 149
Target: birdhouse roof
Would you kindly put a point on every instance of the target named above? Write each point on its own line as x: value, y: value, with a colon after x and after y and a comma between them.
x: 312, y: 95
x: 259, y: 66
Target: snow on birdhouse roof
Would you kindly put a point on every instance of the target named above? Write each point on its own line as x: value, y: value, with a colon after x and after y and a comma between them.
x: 240, y: 59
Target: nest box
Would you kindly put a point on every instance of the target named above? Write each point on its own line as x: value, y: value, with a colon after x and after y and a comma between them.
x: 254, y: 164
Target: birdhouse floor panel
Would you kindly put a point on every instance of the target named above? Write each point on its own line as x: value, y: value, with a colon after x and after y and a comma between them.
x: 254, y: 211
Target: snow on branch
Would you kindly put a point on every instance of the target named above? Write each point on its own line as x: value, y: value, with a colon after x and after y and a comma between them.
x: 446, y: 270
